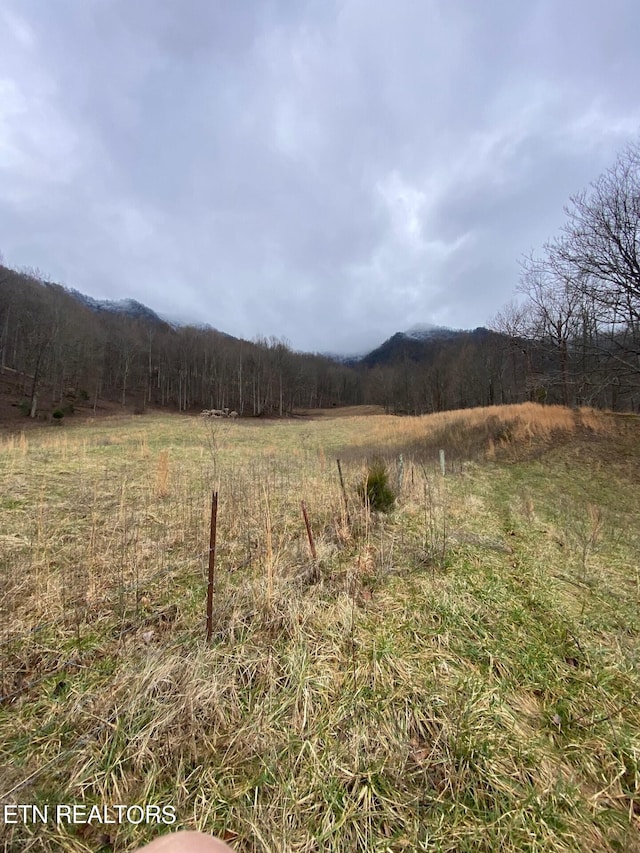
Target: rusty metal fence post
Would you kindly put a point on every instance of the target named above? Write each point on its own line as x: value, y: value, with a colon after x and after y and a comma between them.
x: 212, y: 563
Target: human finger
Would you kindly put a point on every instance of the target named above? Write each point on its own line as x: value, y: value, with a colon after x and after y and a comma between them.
x: 186, y: 842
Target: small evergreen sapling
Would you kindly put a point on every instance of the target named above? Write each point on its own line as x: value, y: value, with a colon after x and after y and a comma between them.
x: 375, y: 490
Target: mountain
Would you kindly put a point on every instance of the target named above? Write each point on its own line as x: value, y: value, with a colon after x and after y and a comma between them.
x: 418, y: 343
x: 137, y: 311
x: 427, y: 331
x: 127, y: 307
x: 341, y: 358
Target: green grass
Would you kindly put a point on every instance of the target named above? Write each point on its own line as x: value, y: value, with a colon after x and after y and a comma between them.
x: 464, y: 677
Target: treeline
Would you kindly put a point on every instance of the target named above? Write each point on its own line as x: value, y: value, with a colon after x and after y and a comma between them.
x: 573, y: 335
x: 573, y: 338
x: 62, y: 349
x: 58, y: 351
x: 579, y: 313
x: 454, y: 371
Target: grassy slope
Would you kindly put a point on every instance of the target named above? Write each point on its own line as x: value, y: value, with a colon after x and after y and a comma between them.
x: 463, y: 678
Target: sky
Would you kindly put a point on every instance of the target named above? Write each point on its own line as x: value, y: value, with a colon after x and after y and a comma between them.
x: 328, y: 172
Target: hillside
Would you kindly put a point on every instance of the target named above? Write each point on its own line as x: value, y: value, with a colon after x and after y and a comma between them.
x: 423, y: 347
x: 60, y: 350
x: 124, y: 307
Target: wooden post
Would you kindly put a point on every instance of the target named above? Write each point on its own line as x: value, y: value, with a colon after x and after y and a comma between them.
x: 442, y: 464
x: 212, y: 563
x: 312, y: 545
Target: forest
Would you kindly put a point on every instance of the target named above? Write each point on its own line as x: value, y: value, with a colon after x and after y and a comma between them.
x: 571, y: 336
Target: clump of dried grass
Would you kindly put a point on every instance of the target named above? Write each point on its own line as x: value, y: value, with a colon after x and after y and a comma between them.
x: 162, y: 474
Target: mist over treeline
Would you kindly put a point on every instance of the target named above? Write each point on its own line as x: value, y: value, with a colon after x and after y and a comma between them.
x: 572, y: 337
x: 57, y: 348
x: 57, y: 342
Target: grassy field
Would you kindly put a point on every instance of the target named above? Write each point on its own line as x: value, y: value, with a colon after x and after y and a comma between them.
x: 463, y: 676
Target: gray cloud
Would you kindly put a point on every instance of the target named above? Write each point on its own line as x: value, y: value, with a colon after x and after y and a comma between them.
x: 330, y: 172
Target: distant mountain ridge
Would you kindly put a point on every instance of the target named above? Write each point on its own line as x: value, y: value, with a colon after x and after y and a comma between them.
x: 121, y: 351
x: 137, y: 311
x: 426, y: 331
x: 418, y: 343
x: 129, y: 307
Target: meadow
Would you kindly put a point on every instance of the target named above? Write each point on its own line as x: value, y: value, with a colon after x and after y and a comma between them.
x: 458, y: 674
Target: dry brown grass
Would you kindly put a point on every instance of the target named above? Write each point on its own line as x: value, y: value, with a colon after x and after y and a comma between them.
x: 474, y: 431
x: 463, y: 677
x: 162, y: 473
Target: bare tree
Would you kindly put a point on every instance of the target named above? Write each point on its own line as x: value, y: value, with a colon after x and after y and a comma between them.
x: 515, y: 322
x: 601, y: 240
x: 583, y: 295
x: 599, y: 252
x: 554, y: 311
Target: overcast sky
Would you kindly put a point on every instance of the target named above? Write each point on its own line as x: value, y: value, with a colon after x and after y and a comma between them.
x: 328, y: 171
